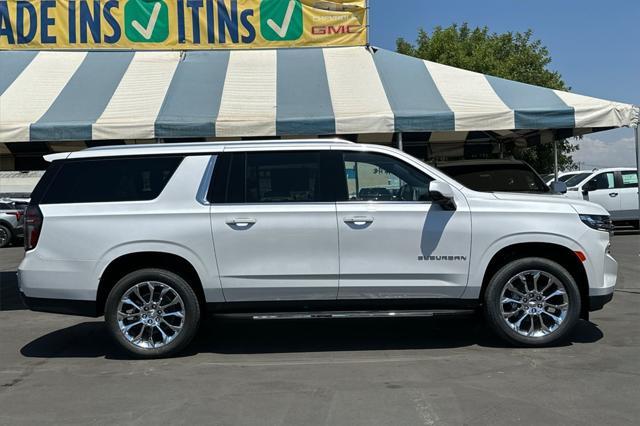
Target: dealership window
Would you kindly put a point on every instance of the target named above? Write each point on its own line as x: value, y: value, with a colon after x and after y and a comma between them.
x: 378, y: 177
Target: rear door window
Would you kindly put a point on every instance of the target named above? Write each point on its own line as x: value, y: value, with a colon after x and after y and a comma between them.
x: 110, y: 179
x: 273, y: 177
x: 629, y: 179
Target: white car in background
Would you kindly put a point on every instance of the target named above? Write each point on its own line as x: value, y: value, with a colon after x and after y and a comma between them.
x: 567, y: 177
x: 615, y: 189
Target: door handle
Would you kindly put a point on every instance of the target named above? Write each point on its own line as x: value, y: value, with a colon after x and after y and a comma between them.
x: 613, y: 194
x: 238, y: 221
x: 358, y: 220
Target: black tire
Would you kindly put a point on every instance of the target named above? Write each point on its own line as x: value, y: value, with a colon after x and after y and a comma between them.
x: 190, y: 303
x: 493, y: 294
x: 6, y: 234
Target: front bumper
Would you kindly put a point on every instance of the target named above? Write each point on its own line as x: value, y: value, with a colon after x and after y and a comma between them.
x: 600, y: 296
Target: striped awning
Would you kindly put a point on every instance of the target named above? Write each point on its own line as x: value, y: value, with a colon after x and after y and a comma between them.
x: 105, y: 95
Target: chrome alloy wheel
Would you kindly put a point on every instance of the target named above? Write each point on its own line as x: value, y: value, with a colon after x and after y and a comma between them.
x: 534, y: 303
x: 150, y: 314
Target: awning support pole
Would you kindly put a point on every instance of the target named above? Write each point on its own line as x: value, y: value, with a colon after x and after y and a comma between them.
x: 555, y: 160
x: 400, y: 147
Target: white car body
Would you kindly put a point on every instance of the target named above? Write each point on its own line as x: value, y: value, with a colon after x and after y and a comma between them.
x: 306, y: 251
x: 618, y: 196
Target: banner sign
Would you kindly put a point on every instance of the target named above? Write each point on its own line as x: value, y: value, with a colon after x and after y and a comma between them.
x: 180, y: 24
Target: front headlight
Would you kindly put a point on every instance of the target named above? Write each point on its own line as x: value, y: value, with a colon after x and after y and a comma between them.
x: 597, y: 222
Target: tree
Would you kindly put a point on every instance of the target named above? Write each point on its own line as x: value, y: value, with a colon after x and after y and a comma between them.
x: 514, y: 56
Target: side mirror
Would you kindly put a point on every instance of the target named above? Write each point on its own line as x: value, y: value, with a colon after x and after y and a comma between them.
x: 442, y: 194
x: 558, y: 187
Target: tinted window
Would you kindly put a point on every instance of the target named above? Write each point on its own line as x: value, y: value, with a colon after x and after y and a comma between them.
x: 377, y: 177
x: 45, y: 181
x: 112, y: 179
x: 497, y: 177
x: 284, y: 177
x: 576, y: 179
x: 273, y: 177
x: 630, y: 179
x: 602, y: 181
x: 5, y: 206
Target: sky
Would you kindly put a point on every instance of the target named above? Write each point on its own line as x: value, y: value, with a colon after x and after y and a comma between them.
x: 594, y: 44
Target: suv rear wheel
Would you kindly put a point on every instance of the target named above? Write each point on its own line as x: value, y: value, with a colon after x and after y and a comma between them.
x: 152, y: 313
x: 532, y: 302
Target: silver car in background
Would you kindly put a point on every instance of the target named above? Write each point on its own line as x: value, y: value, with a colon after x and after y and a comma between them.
x: 11, y: 222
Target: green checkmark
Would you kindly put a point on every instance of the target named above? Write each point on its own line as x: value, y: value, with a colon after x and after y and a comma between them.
x: 146, y: 21
x: 281, y: 20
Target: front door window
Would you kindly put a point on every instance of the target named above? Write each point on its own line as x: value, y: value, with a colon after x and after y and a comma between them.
x: 376, y: 177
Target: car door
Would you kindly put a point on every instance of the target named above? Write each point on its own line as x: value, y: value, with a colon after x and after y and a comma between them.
x: 601, y: 189
x: 394, y: 243
x: 274, y: 226
x: 628, y: 189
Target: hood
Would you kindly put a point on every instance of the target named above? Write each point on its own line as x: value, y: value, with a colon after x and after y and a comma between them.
x: 580, y: 206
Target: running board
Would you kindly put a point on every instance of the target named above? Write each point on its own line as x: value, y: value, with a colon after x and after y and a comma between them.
x: 347, y: 314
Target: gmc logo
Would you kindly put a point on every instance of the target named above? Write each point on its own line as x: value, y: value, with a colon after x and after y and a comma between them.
x: 335, y: 29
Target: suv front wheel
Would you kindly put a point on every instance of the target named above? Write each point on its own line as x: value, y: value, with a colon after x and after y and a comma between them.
x: 152, y: 313
x: 532, y: 302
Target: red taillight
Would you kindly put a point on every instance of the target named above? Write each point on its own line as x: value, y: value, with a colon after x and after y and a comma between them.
x: 32, y: 226
x: 19, y: 215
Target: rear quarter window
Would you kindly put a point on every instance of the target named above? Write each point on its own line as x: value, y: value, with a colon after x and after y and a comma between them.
x: 110, y: 179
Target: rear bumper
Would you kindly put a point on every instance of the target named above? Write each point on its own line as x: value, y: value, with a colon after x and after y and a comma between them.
x: 83, y: 308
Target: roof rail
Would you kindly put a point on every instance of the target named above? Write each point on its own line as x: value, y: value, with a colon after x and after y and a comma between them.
x: 228, y: 142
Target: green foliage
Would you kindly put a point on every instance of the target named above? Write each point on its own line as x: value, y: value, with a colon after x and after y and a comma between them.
x: 541, y: 157
x: 514, y: 56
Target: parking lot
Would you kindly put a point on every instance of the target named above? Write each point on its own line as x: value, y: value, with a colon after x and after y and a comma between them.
x: 60, y: 369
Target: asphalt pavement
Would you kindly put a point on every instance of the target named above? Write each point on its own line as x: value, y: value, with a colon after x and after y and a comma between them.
x: 57, y: 369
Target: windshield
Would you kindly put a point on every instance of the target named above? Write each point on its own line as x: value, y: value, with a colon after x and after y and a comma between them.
x: 497, y: 177
x: 576, y: 179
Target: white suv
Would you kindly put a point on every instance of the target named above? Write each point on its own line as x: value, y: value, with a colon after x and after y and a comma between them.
x: 615, y: 189
x: 154, y: 236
